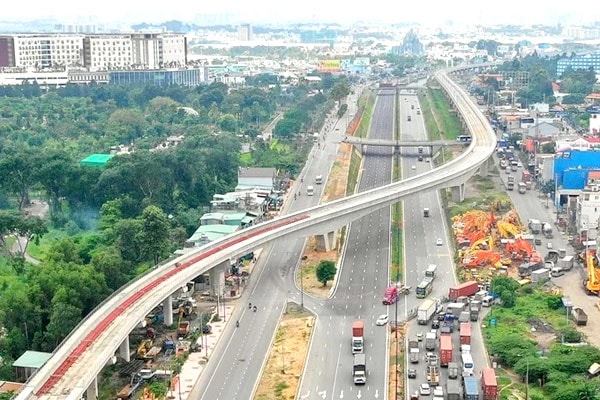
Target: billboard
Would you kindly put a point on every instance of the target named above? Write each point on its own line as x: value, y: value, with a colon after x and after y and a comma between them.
x: 329, y: 66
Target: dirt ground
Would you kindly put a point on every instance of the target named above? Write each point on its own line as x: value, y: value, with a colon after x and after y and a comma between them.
x: 396, y: 379
x: 284, y: 366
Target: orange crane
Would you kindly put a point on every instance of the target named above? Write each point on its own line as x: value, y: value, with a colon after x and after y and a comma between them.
x: 592, y: 282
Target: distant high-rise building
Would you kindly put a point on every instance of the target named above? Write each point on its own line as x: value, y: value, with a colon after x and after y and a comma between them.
x: 410, y: 45
x: 245, y: 32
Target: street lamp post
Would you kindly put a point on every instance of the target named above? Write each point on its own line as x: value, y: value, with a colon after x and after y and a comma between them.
x: 301, y: 289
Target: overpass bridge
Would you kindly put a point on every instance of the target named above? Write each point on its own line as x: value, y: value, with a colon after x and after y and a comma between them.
x: 362, y: 143
x: 75, y: 364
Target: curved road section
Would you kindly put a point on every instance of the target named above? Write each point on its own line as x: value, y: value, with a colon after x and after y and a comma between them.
x: 75, y: 364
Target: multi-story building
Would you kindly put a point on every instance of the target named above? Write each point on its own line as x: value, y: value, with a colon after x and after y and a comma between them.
x: 588, y: 207
x: 245, y: 32
x: 94, y: 52
x: 579, y: 62
x: 41, y: 51
x: 161, y: 77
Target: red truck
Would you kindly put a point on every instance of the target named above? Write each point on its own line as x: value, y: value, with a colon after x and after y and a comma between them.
x: 390, y: 296
x: 464, y: 289
x: 465, y: 333
x: 445, y: 350
x: 489, y: 384
x: 358, y: 340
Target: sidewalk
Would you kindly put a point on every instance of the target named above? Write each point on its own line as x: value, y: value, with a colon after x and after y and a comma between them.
x: 182, y: 385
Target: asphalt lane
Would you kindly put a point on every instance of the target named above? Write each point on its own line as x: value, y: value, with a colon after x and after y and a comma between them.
x: 362, y: 279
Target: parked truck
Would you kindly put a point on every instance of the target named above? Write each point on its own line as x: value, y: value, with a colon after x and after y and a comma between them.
x: 535, y: 226
x: 426, y: 311
x: 413, y: 349
x: 579, y: 316
x: 183, y: 329
x: 358, y: 340
x: 547, y: 229
x: 471, y: 388
x: 526, y: 269
x: 465, y: 333
x: 489, y: 385
x: 566, y: 263
x: 541, y: 275
x: 464, y: 289
x: 453, y: 390
x: 430, y: 339
x: 445, y: 350
x: 359, y: 370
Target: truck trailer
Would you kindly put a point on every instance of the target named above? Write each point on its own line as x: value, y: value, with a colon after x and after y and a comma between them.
x: 465, y: 333
x: 471, y: 388
x: 453, y: 390
x: 413, y: 348
x: 445, y: 350
x: 464, y: 289
x: 426, y: 311
x: 489, y: 385
x: 358, y: 340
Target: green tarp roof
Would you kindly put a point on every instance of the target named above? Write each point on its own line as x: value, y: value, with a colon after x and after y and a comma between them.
x: 96, y: 160
x: 32, y: 359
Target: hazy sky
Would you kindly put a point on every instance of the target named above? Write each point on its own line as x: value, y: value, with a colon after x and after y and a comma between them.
x: 550, y: 12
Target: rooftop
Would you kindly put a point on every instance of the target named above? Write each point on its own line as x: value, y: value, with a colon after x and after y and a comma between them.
x: 32, y: 359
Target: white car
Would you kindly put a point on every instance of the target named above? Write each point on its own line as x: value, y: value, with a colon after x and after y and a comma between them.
x: 439, y: 242
x: 413, y: 166
x: 425, y: 389
x: 382, y: 320
x: 438, y: 392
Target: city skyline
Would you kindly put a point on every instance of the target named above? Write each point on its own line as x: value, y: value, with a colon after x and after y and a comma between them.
x: 271, y: 12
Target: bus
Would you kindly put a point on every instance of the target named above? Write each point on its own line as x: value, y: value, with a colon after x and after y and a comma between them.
x: 424, y: 288
x: 467, y: 364
x: 464, y: 138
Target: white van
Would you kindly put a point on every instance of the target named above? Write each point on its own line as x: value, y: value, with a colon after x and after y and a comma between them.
x: 487, y: 301
x: 310, y: 190
x: 556, y: 272
x: 430, y: 272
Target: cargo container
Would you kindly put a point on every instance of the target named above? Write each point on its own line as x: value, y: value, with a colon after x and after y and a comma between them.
x: 358, y: 340
x: 540, y: 275
x: 471, y: 389
x: 465, y: 333
x: 426, y: 311
x: 579, y: 316
x: 489, y: 385
x: 452, y: 370
x: 453, y: 390
x: 430, y: 339
x: 464, y: 289
x: 445, y: 350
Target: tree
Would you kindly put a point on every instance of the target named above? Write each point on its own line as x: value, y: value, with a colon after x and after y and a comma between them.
x: 326, y: 271
x: 340, y: 91
x: 17, y: 175
x: 154, y: 236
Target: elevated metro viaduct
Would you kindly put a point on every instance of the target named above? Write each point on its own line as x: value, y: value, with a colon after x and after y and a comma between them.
x: 74, y: 365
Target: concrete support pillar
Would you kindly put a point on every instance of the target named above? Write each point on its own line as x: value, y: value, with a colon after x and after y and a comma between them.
x: 124, y: 351
x: 458, y: 193
x: 92, y: 390
x: 217, y: 279
x: 483, y: 170
x: 326, y: 242
x: 168, y: 311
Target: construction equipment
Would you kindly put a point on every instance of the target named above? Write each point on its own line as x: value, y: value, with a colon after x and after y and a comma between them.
x: 592, y: 282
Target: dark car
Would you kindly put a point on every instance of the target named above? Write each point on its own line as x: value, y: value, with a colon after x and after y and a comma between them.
x: 441, y: 317
x: 420, y: 158
x: 412, y: 373
x: 206, y: 329
x: 435, y: 324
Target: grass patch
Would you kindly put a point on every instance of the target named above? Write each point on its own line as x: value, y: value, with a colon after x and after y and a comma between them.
x: 431, y: 125
x: 365, y: 122
x: 447, y: 120
x: 397, y: 243
x: 39, y: 251
x: 277, y: 145
x: 353, y: 171
x: 246, y: 159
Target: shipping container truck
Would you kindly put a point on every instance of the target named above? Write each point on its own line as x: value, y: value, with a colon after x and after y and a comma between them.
x: 445, y: 350
x: 465, y: 333
x: 463, y: 317
x: 358, y: 340
x: 359, y: 370
x: 426, y: 311
x: 430, y: 339
x: 453, y: 390
x: 489, y: 385
x: 464, y: 289
x: 471, y: 388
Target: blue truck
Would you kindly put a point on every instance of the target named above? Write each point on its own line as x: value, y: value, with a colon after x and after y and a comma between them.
x: 471, y: 388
